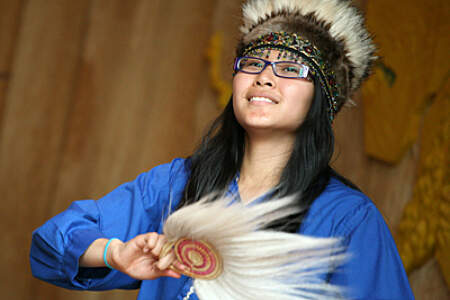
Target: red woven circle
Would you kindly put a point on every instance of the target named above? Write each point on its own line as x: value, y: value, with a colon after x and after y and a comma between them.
x: 200, y: 257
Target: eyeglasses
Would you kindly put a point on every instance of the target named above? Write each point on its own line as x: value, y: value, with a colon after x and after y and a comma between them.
x: 284, y: 69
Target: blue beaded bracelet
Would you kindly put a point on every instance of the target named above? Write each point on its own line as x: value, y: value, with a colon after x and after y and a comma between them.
x: 105, y: 251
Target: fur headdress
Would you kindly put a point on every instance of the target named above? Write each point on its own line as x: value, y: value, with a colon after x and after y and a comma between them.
x: 329, y: 35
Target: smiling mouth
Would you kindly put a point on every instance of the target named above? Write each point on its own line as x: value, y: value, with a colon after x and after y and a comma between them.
x: 261, y: 99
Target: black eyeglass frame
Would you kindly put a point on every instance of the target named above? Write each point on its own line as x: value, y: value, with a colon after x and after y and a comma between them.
x: 308, y: 75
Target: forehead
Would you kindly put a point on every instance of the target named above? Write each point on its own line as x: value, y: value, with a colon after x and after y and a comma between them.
x: 275, y: 54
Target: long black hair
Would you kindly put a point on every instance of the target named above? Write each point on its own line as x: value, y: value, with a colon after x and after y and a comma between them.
x: 219, y: 157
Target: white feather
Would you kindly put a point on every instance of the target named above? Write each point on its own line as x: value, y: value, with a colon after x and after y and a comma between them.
x: 257, y: 263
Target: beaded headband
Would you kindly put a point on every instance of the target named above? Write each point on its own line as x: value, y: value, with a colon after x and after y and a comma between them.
x: 302, y: 47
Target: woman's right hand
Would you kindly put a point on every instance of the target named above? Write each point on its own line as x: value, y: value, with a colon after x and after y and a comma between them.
x: 140, y: 257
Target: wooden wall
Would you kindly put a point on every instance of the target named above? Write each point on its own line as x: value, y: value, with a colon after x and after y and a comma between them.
x: 89, y: 99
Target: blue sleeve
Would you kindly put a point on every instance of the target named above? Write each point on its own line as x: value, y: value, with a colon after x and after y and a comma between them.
x: 131, y: 209
x: 374, y: 269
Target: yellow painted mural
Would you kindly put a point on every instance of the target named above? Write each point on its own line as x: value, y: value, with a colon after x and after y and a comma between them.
x: 414, y: 43
x: 408, y: 97
x: 424, y: 230
x: 214, y: 54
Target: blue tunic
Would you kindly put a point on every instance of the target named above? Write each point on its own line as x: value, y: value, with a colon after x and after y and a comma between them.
x: 374, y: 271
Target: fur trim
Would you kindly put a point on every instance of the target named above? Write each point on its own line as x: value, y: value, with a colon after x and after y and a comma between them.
x: 333, y: 26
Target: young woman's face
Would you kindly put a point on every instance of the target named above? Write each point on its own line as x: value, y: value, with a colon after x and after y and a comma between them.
x: 267, y: 102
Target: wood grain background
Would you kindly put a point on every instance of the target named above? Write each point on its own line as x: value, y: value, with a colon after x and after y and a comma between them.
x: 89, y: 99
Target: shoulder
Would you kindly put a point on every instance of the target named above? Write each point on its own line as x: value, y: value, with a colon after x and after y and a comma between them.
x: 166, y: 180
x: 165, y: 176
x: 151, y: 191
x: 338, y: 210
x: 178, y: 166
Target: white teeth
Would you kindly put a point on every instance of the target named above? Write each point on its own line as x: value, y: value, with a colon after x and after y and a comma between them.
x: 262, y: 99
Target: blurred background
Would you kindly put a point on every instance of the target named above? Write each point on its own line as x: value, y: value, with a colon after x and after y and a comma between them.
x: 94, y: 92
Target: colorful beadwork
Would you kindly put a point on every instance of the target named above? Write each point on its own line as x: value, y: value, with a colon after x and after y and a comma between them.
x: 293, y: 46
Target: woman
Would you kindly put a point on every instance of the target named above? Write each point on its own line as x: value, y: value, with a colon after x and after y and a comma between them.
x: 297, y: 63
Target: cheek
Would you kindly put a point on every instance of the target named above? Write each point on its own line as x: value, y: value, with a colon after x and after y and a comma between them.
x: 300, y: 89
x: 241, y: 82
x: 236, y: 81
x: 300, y: 98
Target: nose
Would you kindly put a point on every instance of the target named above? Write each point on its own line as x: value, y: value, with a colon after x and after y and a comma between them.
x: 266, y: 78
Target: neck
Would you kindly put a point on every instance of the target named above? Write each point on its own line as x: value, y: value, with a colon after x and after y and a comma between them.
x: 263, y: 162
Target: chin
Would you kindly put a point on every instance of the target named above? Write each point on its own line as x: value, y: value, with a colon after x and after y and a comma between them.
x: 261, y: 127
x: 257, y: 124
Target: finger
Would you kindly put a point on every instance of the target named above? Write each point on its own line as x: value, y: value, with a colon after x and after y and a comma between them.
x: 179, y: 266
x: 142, y: 240
x: 170, y: 273
x: 156, y: 251
x: 171, y: 260
x: 150, y: 241
x: 166, y: 261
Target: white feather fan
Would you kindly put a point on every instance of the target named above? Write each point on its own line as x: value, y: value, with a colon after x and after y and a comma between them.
x: 256, y: 263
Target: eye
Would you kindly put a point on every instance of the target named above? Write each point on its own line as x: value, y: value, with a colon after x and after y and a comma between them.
x: 255, y: 64
x: 291, y: 69
x: 251, y: 64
